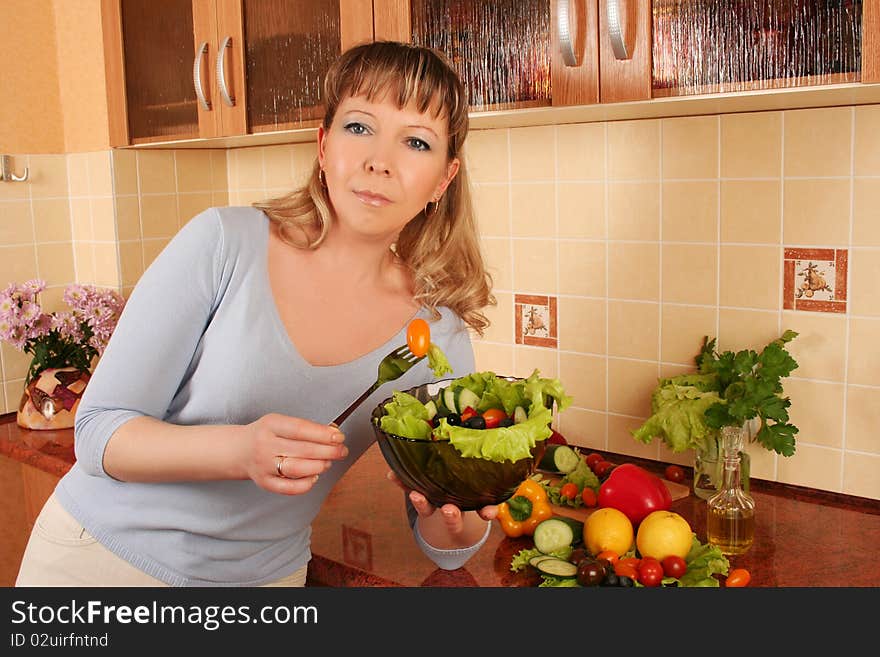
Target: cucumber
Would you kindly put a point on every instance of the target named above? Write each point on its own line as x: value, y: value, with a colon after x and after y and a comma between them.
x: 449, y: 399
x: 519, y: 415
x: 431, y: 407
x: 577, y: 527
x: 557, y: 568
x: 467, y: 397
x: 553, y: 535
x: 534, y: 561
x: 559, y: 458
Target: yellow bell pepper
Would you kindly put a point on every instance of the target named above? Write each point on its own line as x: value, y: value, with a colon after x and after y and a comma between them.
x: 525, y: 509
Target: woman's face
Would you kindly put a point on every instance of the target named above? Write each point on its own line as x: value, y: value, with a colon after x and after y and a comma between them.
x: 382, y: 164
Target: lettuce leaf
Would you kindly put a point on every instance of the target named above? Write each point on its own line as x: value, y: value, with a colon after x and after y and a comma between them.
x: 678, y: 405
x: 437, y: 361
x: 406, y: 416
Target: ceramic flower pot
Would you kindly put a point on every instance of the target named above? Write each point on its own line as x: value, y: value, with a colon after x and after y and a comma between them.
x: 50, y: 400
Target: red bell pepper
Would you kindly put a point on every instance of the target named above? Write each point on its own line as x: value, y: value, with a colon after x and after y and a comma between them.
x: 634, y: 491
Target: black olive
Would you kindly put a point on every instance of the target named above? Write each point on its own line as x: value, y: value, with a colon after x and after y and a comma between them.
x: 611, y: 579
x: 623, y: 580
x: 453, y: 419
x: 475, y: 422
x: 506, y: 422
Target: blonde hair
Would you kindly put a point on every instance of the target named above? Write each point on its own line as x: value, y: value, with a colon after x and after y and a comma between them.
x: 440, y: 247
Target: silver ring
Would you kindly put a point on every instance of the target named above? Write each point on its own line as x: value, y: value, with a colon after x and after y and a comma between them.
x: 278, y: 461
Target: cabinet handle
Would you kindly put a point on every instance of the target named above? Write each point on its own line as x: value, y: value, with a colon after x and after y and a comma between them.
x: 566, y: 37
x: 615, y: 29
x: 227, y: 97
x: 197, y: 76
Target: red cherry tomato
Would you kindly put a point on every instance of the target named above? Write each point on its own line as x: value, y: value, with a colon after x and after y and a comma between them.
x: 467, y: 414
x: 674, y: 566
x: 588, y: 497
x: 626, y: 570
x: 650, y: 572
x: 674, y: 473
x: 418, y: 337
x: 569, y: 490
x: 556, y: 438
x: 738, y: 577
x: 493, y: 417
x: 602, y: 468
x: 593, y: 459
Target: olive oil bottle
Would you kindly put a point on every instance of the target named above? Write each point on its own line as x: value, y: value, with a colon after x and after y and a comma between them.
x: 730, y: 515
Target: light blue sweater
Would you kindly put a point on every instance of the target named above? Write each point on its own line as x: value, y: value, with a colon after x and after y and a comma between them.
x: 201, y: 342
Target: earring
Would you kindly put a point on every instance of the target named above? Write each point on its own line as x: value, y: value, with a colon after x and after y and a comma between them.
x: 322, y: 178
x: 430, y: 211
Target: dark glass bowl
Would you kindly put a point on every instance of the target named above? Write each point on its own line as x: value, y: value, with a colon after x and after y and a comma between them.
x: 439, y: 471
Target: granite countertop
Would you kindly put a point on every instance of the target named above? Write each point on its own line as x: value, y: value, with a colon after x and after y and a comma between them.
x: 803, y: 537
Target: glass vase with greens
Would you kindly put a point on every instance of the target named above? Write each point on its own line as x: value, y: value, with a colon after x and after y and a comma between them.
x: 729, y: 389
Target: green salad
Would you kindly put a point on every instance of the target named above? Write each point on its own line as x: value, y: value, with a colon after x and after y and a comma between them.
x: 513, y: 415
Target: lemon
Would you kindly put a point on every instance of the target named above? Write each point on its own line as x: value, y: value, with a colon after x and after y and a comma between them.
x: 664, y: 533
x: 608, y: 529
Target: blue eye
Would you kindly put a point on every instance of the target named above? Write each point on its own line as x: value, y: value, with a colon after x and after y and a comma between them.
x: 418, y: 144
x: 356, y: 128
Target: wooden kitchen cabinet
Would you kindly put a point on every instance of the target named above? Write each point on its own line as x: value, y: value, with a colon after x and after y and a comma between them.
x: 190, y: 69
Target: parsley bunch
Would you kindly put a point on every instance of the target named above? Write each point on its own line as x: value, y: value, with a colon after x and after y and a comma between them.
x: 750, y: 385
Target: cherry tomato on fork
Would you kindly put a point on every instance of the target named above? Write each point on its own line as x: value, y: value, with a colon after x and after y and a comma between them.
x: 418, y: 337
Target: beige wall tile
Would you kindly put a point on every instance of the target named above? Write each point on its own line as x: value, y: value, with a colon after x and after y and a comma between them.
x: 156, y: 172
x: 634, y: 211
x: 634, y: 330
x: 103, y: 218
x: 251, y: 196
x: 131, y: 263
x: 84, y: 260
x: 219, y: 199
x: 862, y: 419
x: 13, y: 390
x: 100, y: 174
x: 492, y: 209
x: 15, y: 364
x: 751, y: 145
x: 582, y: 325
x: 159, y: 215
x: 864, y: 274
x: 128, y: 218
x: 750, y: 276
x: 248, y: 167
x: 682, y: 329
x: 584, y: 379
x: 746, y: 329
x: 818, y: 142
x: 815, y: 467
x: 751, y: 211
x: 763, y: 462
x: 278, y: 166
x: 529, y: 359
x: 581, y: 210
x: 81, y: 219
x: 621, y: 440
x: 860, y: 475
x: 690, y: 273
x: 582, y: 268
x: 580, y: 151
x: 816, y: 410
x: 125, y: 177
x: 107, y: 266
x: 493, y: 357
x: 816, y: 211
x: 533, y: 209
x: 194, y: 173
x: 534, y: 266
x: 52, y: 298
x: 48, y: 176
x: 55, y: 262
x: 501, y: 319
x: 189, y: 205
x: 16, y: 192
x: 496, y: 253
x: 304, y: 158
x: 488, y: 155
x: 690, y: 147
x: 867, y: 140
x: 866, y: 212
x: 583, y: 428
x: 78, y: 174
x: 17, y: 222
x: 634, y: 271
x: 630, y: 384
x: 152, y: 248
x: 634, y: 150
x: 51, y: 220
x: 532, y: 155
x: 17, y: 263
x: 690, y: 211
x: 820, y: 346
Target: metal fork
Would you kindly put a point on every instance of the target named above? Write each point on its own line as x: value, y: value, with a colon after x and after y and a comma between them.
x: 392, y: 367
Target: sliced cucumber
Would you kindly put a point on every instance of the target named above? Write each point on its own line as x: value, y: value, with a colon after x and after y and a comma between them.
x: 519, y: 415
x: 534, y: 561
x: 467, y: 397
x: 560, y: 458
x: 449, y: 399
x: 577, y: 527
x: 431, y: 407
x: 553, y: 535
x: 557, y: 568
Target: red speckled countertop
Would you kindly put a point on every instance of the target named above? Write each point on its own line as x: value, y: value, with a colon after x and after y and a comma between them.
x: 361, y: 537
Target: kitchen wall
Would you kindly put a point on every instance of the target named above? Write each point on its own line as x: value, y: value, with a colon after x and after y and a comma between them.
x: 627, y: 242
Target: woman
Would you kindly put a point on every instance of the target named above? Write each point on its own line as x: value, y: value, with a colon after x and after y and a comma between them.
x: 203, y: 442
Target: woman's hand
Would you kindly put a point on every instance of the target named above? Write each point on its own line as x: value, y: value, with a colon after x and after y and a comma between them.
x: 451, y: 527
x: 287, y: 454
